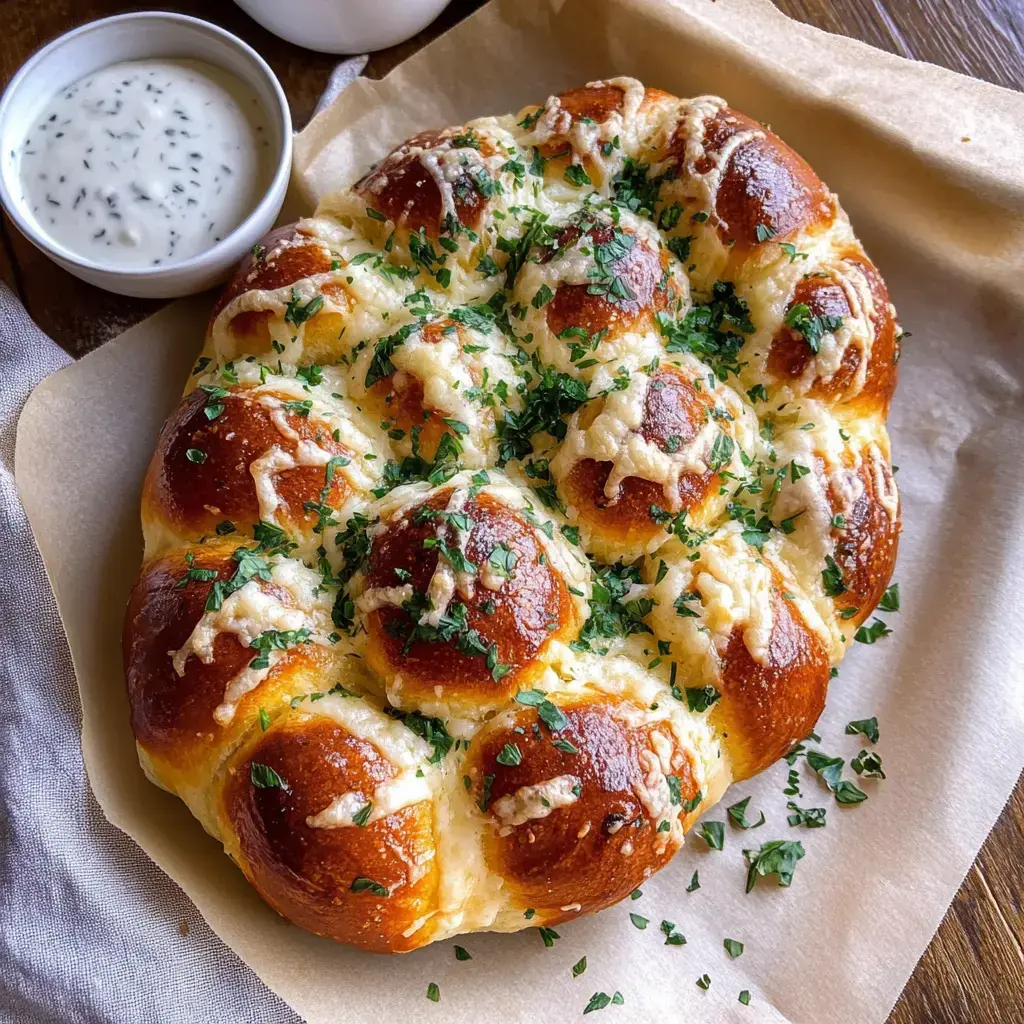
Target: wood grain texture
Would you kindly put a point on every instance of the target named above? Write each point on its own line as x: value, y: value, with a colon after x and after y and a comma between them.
x: 973, y: 970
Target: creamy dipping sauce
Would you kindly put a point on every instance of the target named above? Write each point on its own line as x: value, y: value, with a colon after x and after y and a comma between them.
x: 147, y: 163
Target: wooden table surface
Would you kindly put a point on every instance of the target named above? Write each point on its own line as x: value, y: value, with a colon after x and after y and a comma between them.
x: 973, y: 971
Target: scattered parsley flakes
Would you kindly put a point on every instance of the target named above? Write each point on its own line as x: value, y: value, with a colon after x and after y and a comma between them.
x: 264, y: 777
x: 811, y: 328
x: 297, y: 312
x: 548, y: 713
x: 364, y: 884
x: 713, y: 833
x: 867, y: 727
x: 810, y: 817
x: 830, y: 769
x: 890, y: 601
x: 778, y: 857
x: 832, y: 578
x: 868, y: 764
x: 700, y: 698
x: 510, y: 755
x: 576, y: 175
x: 738, y: 815
x: 878, y: 630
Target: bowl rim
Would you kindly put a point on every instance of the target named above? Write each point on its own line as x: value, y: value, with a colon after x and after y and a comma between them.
x: 271, y: 195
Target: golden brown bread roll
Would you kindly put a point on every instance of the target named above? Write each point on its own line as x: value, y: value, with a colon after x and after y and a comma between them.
x: 522, y: 499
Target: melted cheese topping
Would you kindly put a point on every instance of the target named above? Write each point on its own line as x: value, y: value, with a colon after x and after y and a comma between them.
x: 555, y: 123
x: 614, y: 436
x: 394, y: 741
x: 250, y: 611
x: 530, y: 803
x: 404, y: 790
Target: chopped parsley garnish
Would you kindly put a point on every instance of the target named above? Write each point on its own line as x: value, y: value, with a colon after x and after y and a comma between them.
x: 555, y: 395
x: 250, y: 566
x: 510, y: 755
x: 610, y: 615
x: 832, y: 578
x: 548, y: 712
x: 635, y: 190
x: 810, y: 817
x: 601, y: 1000
x: 878, y: 630
x: 264, y: 777
x: 868, y: 727
x: 485, y: 793
x: 868, y: 764
x: 297, y: 312
x: 713, y: 833
x: 713, y: 331
x: 738, y: 815
x: 700, y: 698
x: 576, y: 175
x: 275, y: 640
x: 890, y: 601
x: 312, y: 374
x: 830, y: 769
x: 778, y: 857
x: 381, y: 365
x: 605, y: 281
x: 194, y: 575
x: 214, y: 404
x: 811, y: 328
x: 430, y: 729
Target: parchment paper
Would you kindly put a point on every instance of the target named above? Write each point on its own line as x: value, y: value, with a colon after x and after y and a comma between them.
x: 928, y: 164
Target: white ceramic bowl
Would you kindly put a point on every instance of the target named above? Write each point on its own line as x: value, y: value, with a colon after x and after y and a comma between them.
x: 137, y: 37
x: 344, y: 26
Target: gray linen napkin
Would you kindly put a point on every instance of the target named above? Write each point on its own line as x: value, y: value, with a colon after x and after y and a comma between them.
x: 91, y: 930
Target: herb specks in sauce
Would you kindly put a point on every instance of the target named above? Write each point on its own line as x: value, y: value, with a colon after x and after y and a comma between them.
x: 147, y: 162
